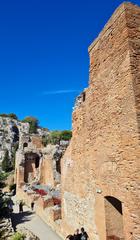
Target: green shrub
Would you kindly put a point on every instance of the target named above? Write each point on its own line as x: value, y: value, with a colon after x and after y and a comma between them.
x: 10, y: 115
x: 6, y: 165
x: 56, y: 136
x: 18, y: 236
x: 13, y: 116
x: 3, y: 115
x: 3, y: 177
x: 53, y: 138
x: 45, y: 140
x: 66, y: 135
x: 33, y: 123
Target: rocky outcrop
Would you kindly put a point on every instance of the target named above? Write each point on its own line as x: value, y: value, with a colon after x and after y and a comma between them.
x: 6, y: 230
x: 10, y: 132
x: 14, y: 134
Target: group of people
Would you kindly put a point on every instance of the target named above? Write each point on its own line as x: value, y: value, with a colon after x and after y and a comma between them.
x: 78, y: 235
x: 21, y: 206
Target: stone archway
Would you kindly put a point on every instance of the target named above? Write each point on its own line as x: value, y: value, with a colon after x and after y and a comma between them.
x: 15, y: 130
x: 31, y: 170
x: 113, y: 218
x: 25, y: 145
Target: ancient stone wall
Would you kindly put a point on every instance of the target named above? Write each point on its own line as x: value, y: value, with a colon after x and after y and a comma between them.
x: 37, y: 141
x: 103, y: 158
x: 36, y: 163
x: 47, y: 168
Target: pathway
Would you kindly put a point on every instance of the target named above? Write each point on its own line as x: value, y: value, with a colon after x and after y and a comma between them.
x: 32, y: 222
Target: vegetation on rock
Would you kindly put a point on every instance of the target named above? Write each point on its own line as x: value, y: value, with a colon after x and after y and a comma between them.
x: 18, y: 236
x: 10, y: 115
x: 33, y: 123
x: 6, y: 164
x: 3, y: 177
x: 66, y: 135
x: 56, y: 136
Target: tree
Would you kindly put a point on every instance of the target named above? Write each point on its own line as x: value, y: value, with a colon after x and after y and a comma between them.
x: 53, y: 137
x: 56, y: 136
x: 3, y: 115
x: 6, y: 165
x: 10, y: 115
x: 13, y: 116
x: 33, y: 123
x: 66, y: 135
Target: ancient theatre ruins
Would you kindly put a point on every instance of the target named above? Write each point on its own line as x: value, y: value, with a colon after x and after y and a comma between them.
x: 98, y: 185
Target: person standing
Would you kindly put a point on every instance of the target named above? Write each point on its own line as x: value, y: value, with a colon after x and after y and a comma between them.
x: 32, y: 205
x: 70, y: 237
x: 10, y: 205
x: 20, y: 207
x: 77, y: 235
x: 84, y: 235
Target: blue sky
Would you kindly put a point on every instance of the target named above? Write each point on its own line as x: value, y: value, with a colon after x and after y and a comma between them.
x: 44, y: 60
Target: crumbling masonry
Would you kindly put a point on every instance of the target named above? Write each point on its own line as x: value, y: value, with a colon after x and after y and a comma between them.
x: 100, y: 170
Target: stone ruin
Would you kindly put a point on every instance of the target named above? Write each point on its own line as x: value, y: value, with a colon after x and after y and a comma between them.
x: 36, y: 163
x: 10, y: 131
x: 38, y: 174
x: 99, y: 184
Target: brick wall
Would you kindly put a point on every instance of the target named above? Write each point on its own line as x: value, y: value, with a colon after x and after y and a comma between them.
x: 47, y: 175
x: 103, y: 158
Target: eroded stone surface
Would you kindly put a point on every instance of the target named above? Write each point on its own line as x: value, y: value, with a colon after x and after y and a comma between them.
x: 10, y: 132
x: 103, y: 157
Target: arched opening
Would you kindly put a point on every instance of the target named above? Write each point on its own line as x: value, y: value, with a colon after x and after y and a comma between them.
x: 16, y: 133
x: 37, y: 162
x: 31, y: 166
x: 113, y: 218
x: 25, y: 145
x: 58, y: 166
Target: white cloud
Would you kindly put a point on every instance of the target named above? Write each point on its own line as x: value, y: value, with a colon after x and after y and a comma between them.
x: 59, y: 92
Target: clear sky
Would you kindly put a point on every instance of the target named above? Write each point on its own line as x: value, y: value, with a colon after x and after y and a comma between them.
x: 44, y: 60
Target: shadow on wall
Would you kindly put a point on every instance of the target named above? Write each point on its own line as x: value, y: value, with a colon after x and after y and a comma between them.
x: 114, y: 219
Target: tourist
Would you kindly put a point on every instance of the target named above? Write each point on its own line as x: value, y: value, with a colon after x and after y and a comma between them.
x: 32, y: 205
x: 10, y: 205
x: 77, y: 235
x: 70, y: 237
x: 20, y: 207
x: 84, y: 235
